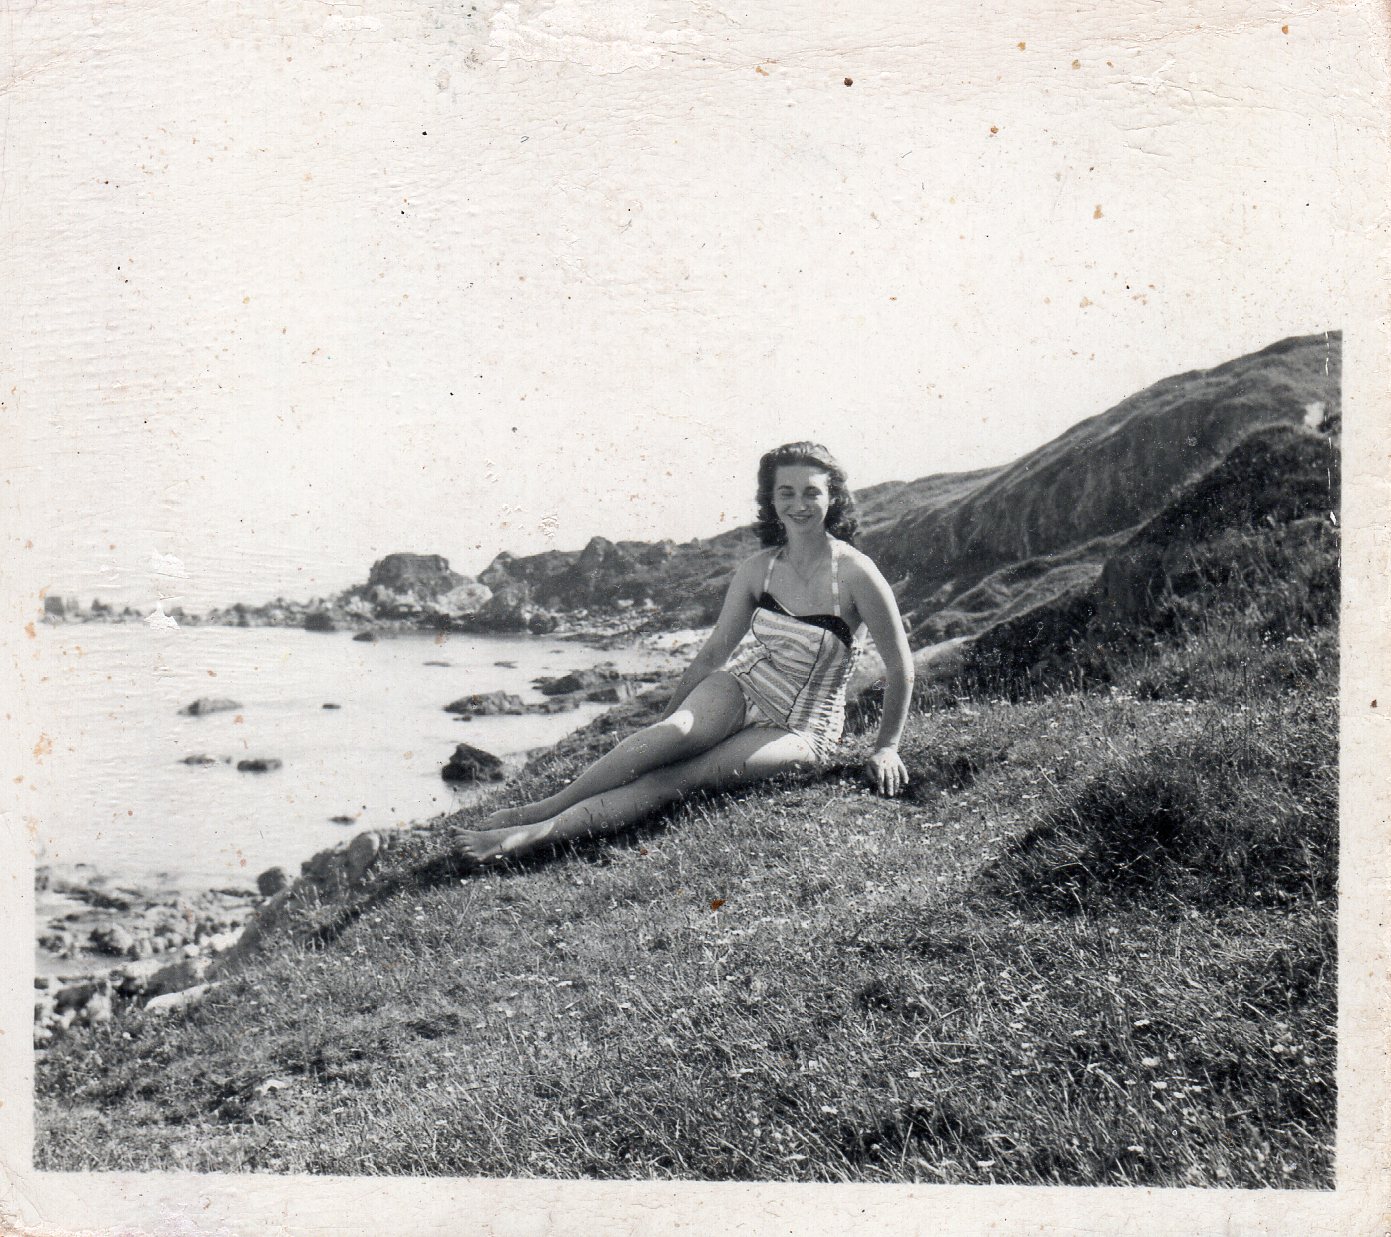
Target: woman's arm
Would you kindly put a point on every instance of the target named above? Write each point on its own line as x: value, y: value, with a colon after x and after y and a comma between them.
x: 875, y: 601
x: 735, y: 616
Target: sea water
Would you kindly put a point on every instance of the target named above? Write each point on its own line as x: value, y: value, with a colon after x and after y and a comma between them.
x: 109, y: 788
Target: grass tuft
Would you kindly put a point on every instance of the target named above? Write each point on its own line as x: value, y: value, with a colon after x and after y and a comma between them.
x: 1241, y: 810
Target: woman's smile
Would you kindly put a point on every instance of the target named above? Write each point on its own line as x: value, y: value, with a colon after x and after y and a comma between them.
x: 801, y: 496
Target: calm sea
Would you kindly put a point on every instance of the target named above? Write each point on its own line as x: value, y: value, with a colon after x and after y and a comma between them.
x: 108, y: 787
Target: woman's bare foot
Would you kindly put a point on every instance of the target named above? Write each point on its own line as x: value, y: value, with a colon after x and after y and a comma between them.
x: 484, y: 846
x: 480, y: 846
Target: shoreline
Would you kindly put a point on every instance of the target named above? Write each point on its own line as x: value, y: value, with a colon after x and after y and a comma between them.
x: 101, y: 938
x: 599, y: 630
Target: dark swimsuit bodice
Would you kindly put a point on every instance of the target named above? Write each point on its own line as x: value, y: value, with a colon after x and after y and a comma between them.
x: 833, y: 623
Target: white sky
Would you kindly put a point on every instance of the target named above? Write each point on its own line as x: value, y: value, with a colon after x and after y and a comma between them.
x: 290, y: 287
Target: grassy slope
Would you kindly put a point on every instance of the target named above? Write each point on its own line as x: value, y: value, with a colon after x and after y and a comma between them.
x: 1021, y: 974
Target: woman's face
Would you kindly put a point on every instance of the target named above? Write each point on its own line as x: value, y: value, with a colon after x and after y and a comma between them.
x: 801, y: 497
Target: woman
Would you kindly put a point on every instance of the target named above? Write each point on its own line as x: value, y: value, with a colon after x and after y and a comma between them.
x: 780, y: 706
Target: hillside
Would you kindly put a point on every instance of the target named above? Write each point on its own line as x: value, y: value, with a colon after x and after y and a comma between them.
x: 1263, y: 521
x: 1106, y: 474
x: 1095, y: 943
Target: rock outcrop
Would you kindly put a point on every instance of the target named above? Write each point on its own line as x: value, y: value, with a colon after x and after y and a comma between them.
x: 427, y: 575
x: 472, y: 764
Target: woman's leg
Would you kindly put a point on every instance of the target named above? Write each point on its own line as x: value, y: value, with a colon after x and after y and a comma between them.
x: 751, y: 754
x: 713, y: 710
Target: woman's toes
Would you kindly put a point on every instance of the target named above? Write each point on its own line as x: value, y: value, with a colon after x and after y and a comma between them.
x: 476, y: 848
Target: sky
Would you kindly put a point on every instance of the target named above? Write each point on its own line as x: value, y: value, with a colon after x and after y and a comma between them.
x: 291, y: 287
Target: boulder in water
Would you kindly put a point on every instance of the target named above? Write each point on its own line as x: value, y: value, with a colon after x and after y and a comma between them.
x: 487, y: 704
x: 472, y: 764
x: 210, y: 704
x: 459, y: 602
x: 366, y: 637
x: 260, y: 764
x: 579, y: 680
x: 612, y: 693
x: 272, y: 881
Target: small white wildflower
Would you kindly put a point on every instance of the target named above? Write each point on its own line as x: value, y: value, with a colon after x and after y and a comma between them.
x: 1135, y: 1147
x: 1149, y: 1062
x: 915, y: 1073
x: 985, y: 1163
x: 1160, y: 1086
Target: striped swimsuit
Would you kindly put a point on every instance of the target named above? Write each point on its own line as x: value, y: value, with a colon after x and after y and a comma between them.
x: 795, y: 674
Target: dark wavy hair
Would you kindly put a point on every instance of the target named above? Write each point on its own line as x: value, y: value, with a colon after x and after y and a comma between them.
x: 840, y: 519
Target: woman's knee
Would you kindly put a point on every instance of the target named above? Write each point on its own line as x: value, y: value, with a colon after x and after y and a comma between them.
x: 675, y: 736
x: 688, y: 732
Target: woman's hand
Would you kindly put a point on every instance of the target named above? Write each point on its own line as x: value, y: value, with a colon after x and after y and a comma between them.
x: 886, y: 772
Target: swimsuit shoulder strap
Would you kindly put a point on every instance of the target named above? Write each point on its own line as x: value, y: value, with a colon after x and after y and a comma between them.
x: 768, y: 575
x: 835, y: 574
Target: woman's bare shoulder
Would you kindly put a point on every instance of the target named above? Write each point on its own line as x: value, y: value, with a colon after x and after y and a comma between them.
x: 859, y: 565
x: 757, y: 560
x: 751, y: 568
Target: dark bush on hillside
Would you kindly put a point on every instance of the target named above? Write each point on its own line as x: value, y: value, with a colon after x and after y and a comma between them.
x: 1274, y: 476
x: 1251, y: 547
x: 1218, y: 819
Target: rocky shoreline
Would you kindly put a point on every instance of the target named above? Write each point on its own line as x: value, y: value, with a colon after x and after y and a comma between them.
x: 410, y: 593
x: 102, y: 944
